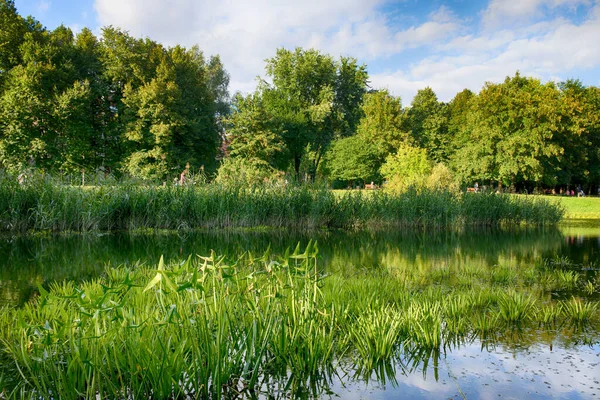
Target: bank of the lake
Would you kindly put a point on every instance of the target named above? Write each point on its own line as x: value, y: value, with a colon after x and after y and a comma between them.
x: 45, y: 205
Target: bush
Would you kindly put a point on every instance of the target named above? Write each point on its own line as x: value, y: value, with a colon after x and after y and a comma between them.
x: 238, y: 171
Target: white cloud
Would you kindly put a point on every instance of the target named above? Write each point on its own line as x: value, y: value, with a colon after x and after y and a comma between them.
x: 509, y: 35
x: 505, y: 12
x: 560, y: 47
x: 246, y: 33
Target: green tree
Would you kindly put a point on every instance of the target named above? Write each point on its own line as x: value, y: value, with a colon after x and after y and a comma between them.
x: 379, y: 134
x: 574, y: 136
x: 44, y: 107
x: 383, y: 124
x: 353, y: 159
x: 252, y: 135
x: 311, y: 100
x: 11, y: 36
x: 171, y: 120
x: 458, y: 113
x: 408, y: 167
x: 593, y: 128
x: 510, y: 132
x: 428, y: 119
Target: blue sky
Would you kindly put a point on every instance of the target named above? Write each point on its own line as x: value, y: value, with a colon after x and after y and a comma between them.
x: 407, y: 44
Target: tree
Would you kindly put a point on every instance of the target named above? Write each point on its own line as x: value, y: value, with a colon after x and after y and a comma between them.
x: 409, y: 166
x: 574, y: 136
x: 252, y: 134
x: 459, y: 109
x: 69, y: 104
x: 171, y: 119
x: 44, y: 107
x: 311, y: 100
x: 593, y: 129
x: 428, y: 119
x: 510, y: 132
x: 383, y: 122
x: 12, y: 36
x: 379, y: 134
x: 353, y: 158
x: 301, y: 98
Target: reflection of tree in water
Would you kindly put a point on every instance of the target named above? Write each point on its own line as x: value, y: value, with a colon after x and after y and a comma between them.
x: 433, y: 249
x: 42, y: 259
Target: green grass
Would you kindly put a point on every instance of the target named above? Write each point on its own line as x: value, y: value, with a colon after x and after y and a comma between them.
x: 578, y: 207
x: 46, y: 205
x: 209, y: 327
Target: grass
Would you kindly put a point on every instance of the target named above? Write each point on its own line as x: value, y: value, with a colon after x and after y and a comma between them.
x: 211, y: 327
x: 578, y: 207
x: 43, y: 204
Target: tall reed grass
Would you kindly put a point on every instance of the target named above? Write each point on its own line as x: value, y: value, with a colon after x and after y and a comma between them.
x: 42, y: 203
x: 209, y: 327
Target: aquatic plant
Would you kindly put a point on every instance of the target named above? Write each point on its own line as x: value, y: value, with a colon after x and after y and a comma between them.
x: 47, y: 204
x: 213, y: 327
x: 514, y: 307
x: 578, y: 311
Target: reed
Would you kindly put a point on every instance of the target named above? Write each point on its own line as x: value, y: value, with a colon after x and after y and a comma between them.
x: 43, y: 203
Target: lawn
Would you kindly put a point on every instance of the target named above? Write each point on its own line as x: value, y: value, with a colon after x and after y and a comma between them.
x: 579, y: 207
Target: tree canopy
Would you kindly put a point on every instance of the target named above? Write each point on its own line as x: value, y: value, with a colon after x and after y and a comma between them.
x: 75, y: 103
x: 78, y: 103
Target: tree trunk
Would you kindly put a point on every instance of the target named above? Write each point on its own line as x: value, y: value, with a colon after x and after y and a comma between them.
x: 297, y: 166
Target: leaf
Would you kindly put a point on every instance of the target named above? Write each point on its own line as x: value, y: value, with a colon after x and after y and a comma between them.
x: 154, y: 281
x: 169, y: 282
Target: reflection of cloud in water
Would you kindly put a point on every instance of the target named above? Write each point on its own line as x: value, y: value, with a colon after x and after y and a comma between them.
x: 534, y: 373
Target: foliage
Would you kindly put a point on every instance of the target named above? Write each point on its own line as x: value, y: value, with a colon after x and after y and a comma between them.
x: 312, y: 100
x: 252, y: 133
x: 441, y: 178
x: 243, y: 172
x: 511, y: 131
x: 70, y: 104
x: 379, y: 133
x: 383, y: 122
x: 407, y: 168
x: 42, y: 204
x: 78, y: 104
x: 428, y: 119
x: 353, y: 159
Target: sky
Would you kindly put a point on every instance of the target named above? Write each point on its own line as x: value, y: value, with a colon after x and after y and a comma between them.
x: 407, y: 45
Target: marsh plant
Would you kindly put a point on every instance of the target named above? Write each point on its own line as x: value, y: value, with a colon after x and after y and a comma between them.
x: 211, y: 327
x: 45, y: 204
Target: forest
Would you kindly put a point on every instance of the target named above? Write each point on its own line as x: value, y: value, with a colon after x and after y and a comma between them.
x: 115, y: 105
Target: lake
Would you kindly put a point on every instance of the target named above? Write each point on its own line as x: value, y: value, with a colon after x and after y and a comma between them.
x: 525, y: 363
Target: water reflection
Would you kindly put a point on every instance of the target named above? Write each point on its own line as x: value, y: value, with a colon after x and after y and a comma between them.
x: 527, y: 363
x: 536, y: 371
x: 29, y: 261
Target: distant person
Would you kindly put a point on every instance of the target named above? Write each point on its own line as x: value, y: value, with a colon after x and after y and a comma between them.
x: 476, y: 186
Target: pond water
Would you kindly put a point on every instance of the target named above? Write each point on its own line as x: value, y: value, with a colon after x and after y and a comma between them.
x: 527, y: 365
